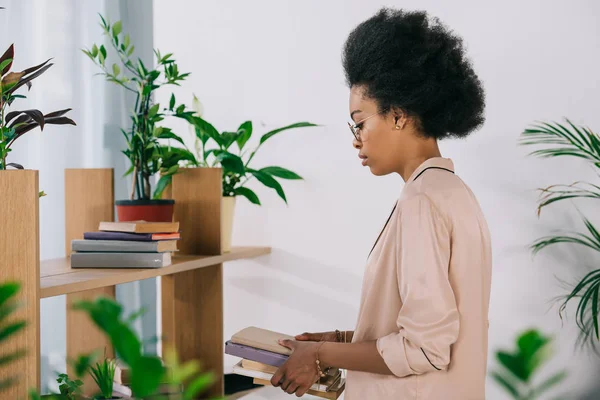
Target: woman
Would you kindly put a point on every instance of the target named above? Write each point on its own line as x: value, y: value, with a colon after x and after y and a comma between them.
x: 423, y: 322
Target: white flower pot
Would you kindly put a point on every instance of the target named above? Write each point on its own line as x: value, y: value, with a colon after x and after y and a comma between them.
x: 227, y: 212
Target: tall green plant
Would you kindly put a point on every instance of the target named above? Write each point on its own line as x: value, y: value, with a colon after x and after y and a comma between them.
x: 145, y: 150
x: 519, y: 365
x: 216, y: 149
x: 580, y: 142
x: 9, y: 326
x: 103, y: 374
x: 15, y: 123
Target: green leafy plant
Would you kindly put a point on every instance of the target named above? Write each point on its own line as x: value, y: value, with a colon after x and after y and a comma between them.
x: 146, y: 151
x: 9, y: 327
x: 214, y: 149
x: 14, y: 124
x: 580, y: 142
x: 104, y: 375
x: 519, y: 366
x: 147, y: 371
x: 69, y: 389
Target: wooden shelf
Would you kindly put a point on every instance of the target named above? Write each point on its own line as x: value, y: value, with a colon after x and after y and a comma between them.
x: 57, y: 277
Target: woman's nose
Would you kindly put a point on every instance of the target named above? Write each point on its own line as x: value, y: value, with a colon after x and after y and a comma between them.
x: 356, y: 144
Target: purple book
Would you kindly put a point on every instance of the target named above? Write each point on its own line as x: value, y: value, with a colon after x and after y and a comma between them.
x: 143, y: 237
x: 253, y: 354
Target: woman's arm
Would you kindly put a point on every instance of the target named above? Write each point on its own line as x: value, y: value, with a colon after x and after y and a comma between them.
x: 361, y: 356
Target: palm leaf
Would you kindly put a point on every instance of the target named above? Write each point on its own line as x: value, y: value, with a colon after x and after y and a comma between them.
x: 555, y: 193
x: 587, y: 290
x: 548, y: 383
x: 569, y: 141
x: 506, y: 384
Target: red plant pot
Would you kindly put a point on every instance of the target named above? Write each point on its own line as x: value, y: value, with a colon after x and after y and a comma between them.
x: 145, y: 210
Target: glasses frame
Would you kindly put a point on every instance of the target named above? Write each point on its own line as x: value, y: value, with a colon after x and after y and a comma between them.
x: 354, y: 127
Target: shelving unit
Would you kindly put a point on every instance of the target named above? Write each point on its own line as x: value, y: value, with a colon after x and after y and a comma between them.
x: 192, y: 287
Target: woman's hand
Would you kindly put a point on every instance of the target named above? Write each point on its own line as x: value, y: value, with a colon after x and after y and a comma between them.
x: 299, y: 372
x: 317, y: 337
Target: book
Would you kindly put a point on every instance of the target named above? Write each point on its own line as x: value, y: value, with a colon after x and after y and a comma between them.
x: 333, y: 394
x: 330, y: 378
x: 120, y: 260
x: 251, y: 353
x: 263, y: 339
x: 139, y: 227
x: 142, y: 237
x: 240, y: 370
x: 123, y: 246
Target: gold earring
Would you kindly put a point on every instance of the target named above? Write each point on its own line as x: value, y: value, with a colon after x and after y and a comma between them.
x: 397, y: 127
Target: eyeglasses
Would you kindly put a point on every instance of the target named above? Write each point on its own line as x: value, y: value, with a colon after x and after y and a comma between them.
x: 355, y: 129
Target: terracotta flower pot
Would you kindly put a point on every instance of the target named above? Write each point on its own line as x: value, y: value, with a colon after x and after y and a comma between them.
x: 145, y: 210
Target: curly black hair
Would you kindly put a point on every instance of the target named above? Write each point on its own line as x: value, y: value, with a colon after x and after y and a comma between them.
x: 410, y: 61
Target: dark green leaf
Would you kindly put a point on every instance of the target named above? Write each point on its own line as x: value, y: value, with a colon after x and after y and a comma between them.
x: 8, y: 290
x: 231, y: 162
x: 269, y: 181
x: 272, y: 133
x: 8, y: 358
x: 170, y: 135
x: 103, y: 51
x: 514, y: 363
x: 180, y: 109
x: 280, y: 172
x: 244, y: 134
x: 247, y: 193
x: 172, y: 102
x: 11, y: 329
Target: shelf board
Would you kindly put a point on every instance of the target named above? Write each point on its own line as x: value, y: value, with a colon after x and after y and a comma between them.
x: 57, y: 277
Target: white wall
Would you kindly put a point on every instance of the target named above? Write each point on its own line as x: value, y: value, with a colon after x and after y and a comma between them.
x: 279, y: 62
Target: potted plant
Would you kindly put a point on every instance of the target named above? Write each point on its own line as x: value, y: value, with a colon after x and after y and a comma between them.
x: 217, y: 149
x: 146, y: 150
x: 15, y: 123
x: 104, y: 376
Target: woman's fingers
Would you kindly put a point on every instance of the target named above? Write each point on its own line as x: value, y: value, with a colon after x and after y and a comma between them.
x: 311, y: 337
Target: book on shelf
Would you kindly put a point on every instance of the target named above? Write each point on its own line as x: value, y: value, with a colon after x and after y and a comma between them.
x: 141, y: 237
x: 139, y: 227
x: 251, y: 353
x: 120, y: 260
x: 123, y: 246
x: 263, y: 339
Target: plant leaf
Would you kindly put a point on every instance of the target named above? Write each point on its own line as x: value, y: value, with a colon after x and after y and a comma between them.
x: 9, y: 54
x: 506, y: 384
x: 280, y: 172
x: 117, y: 28
x: 169, y: 135
x: 230, y: 162
x: 247, y: 193
x: 269, y: 181
x: 548, y: 383
x: 272, y: 133
x: 146, y: 374
x: 244, y: 134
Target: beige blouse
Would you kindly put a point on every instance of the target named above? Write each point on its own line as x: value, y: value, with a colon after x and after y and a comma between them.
x: 426, y: 294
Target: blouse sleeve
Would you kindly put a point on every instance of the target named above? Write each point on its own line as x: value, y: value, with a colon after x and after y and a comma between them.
x: 428, y: 320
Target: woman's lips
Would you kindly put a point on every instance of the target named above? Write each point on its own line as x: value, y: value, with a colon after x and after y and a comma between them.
x: 363, y: 158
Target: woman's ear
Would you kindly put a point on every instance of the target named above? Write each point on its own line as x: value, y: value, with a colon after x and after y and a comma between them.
x: 400, y: 118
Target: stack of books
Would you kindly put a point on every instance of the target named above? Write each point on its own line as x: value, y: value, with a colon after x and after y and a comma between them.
x: 136, y: 244
x: 122, y: 386
x: 261, y: 355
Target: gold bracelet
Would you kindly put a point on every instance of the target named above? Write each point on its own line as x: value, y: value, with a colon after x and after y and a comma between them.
x: 318, y: 362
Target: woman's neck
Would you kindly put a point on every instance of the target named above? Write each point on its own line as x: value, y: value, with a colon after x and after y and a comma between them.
x: 417, y: 158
